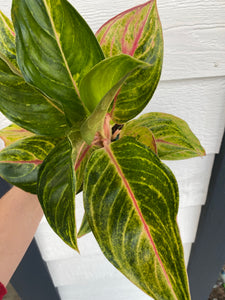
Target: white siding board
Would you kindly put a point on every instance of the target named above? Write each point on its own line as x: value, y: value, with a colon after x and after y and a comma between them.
x: 189, y: 54
x: 187, y: 252
x: 81, y: 269
x: 193, y: 177
x: 50, y: 245
x: 187, y: 219
x: 200, y: 102
x: 119, y: 288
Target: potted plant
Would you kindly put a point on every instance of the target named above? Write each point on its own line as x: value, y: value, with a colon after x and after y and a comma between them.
x: 74, y: 99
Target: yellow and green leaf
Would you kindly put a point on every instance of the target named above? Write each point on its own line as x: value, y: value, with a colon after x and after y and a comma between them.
x: 99, y: 87
x: 27, y: 107
x: 138, y: 33
x: 131, y: 203
x: 141, y: 133
x: 7, y: 43
x: 84, y: 227
x: 12, y: 133
x: 55, y: 49
x: 173, y: 137
x: 19, y: 102
x: 21, y: 161
x: 56, y: 192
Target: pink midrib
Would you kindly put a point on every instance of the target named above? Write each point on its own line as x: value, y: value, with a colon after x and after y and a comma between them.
x: 81, y: 155
x: 135, y: 45
x: 139, y: 33
x: 146, y: 228
x: 112, y: 21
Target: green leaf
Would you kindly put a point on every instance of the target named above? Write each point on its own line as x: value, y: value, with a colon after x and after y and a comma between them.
x: 99, y: 87
x: 55, y: 49
x: 12, y: 133
x: 56, y: 192
x: 131, y: 202
x: 81, y: 162
x: 173, y: 136
x: 84, y: 227
x: 25, y: 106
x: 81, y: 153
x: 142, y: 134
x: 21, y: 161
x: 7, y: 43
x: 136, y: 32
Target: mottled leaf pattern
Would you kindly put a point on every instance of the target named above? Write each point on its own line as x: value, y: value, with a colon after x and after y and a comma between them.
x: 142, y: 134
x: 80, y: 154
x: 56, y: 192
x: 174, y: 138
x: 131, y: 202
x: 25, y: 106
x: 81, y: 162
x: 136, y: 32
x: 48, y: 54
x: 12, y: 133
x: 84, y: 227
x: 21, y: 161
x: 7, y: 43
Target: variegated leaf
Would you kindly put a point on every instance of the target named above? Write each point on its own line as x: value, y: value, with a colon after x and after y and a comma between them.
x: 7, y: 43
x: 28, y: 108
x: 84, y: 227
x: 21, y: 161
x: 131, y: 202
x: 136, y: 32
x: 55, y: 49
x: 142, y: 134
x: 56, y: 192
x: 33, y: 108
x: 174, y: 138
x: 100, y: 86
x: 12, y: 133
x: 80, y: 153
x: 81, y: 162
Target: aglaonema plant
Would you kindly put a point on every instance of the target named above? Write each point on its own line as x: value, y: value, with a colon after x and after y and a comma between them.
x: 73, y: 98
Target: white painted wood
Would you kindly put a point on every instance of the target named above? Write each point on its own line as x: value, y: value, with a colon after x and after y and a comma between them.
x: 173, y: 13
x: 119, y: 288
x: 187, y: 252
x: 200, y: 102
x: 193, y: 177
x: 81, y: 268
x: 187, y: 219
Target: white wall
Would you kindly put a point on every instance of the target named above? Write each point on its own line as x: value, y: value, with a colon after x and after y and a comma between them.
x: 192, y: 87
